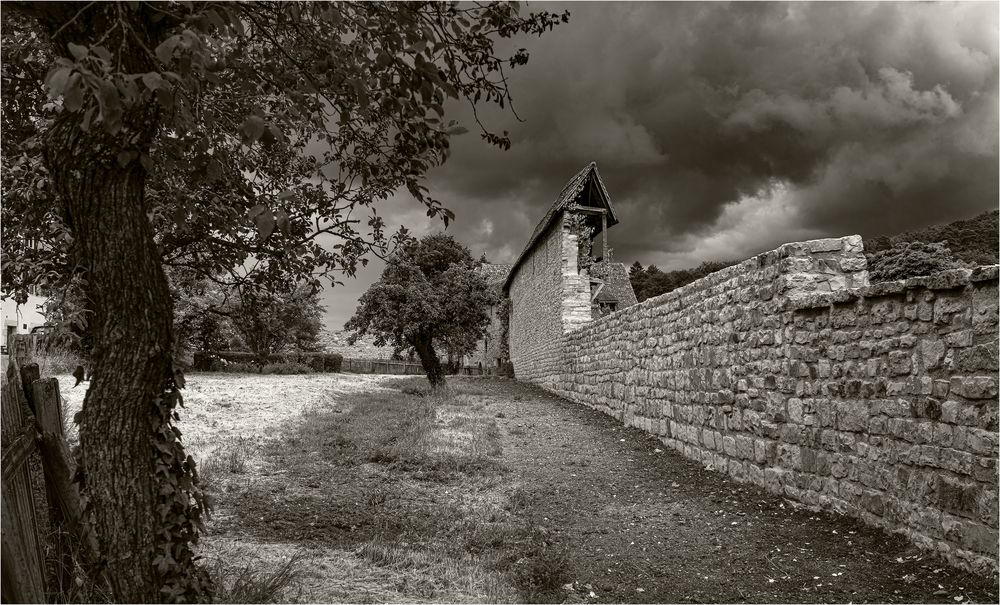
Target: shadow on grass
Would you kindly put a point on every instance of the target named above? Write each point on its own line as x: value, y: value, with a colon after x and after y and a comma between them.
x: 413, y: 485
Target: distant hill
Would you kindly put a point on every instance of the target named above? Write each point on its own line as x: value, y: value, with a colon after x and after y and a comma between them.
x: 969, y: 242
x: 973, y: 241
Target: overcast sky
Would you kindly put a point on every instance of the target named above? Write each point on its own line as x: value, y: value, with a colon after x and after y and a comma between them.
x: 723, y: 130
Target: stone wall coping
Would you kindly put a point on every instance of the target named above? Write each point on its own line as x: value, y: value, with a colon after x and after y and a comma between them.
x: 945, y: 280
x: 750, y: 265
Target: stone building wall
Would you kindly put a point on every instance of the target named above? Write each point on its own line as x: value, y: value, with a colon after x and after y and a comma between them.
x: 489, y: 348
x: 545, y: 293
x: 790, y: 372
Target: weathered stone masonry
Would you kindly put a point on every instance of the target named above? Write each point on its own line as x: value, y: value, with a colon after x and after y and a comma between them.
x: 790, y: 372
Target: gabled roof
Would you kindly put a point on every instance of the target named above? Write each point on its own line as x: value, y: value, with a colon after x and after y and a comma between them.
x: 581, y: 181
x: 494, y: 273
x: 617, y: 286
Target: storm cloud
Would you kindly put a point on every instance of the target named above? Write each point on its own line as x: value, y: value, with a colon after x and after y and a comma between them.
x: 722, y: 130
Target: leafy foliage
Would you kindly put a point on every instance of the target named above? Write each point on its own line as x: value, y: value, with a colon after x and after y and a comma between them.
x: 578, y: 225
x: 911, y: 259
x: 428, y: 293
x: 281, y: 123
x: 269, y: 322
x: 972, y: 241
x: 650, y: 281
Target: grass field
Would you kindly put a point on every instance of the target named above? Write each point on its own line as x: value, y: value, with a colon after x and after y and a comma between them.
x: 333, y: 488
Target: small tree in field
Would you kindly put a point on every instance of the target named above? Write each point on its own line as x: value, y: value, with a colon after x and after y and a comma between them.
x: 269, y: 323
x: 429, y: 293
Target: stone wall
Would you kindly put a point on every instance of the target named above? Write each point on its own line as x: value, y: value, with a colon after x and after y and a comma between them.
x: 790, y: 372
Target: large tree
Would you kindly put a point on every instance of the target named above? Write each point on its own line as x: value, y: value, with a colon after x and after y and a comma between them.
x: 429, y: 293
x: 225, y: 138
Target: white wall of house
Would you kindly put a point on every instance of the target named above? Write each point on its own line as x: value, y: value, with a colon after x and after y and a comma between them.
x: 20, y: 319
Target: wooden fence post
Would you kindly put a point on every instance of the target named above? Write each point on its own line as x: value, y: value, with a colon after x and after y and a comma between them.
x: 65, y: 510
x: 19, y: 582
x: 23, y: 569
x: 29, y: 374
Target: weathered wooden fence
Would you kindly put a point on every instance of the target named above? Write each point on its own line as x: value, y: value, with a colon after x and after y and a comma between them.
x: 23, y: 560
x: 380, y: 366
x: 390, y: 366
x: 40, y: 503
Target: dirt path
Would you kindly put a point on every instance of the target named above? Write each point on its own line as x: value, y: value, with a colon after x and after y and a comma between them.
x: 646, y: 525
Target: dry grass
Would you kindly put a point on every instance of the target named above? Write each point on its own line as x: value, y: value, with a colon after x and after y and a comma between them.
x: 222, y: 407
x: 343, y: 488
x: 403, y: 495
x: 242, y: 577
x: 55, y: 363
x: 229, y: 458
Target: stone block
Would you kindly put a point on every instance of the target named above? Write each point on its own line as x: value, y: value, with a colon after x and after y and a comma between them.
x: 960, y: 338
x: 931, y: 353
x: 925, y: 311
x: 957, y: 497
x: 830, y: 244
x: 877, y: 425
x: 981, y: 442
x: 795, y: 410
x: 943, y: 435
x: 961, y: 463
x: 729, y: 446
x: 853, y: 263
x: 899, y: 363
x: 974, y: 387
x: 744, y: 447
x: 984, y: 310
x: 972, y: 535
x: 789, y: 456
x: 976, y: 358
x: 853, y: 244
x: 985, y: 469
x: 852, y: 415
x: 987, y: 507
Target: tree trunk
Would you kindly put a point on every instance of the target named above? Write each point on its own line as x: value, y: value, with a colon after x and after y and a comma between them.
x: 131, y: 330
x: 129, y: 451
x: 429, y: 360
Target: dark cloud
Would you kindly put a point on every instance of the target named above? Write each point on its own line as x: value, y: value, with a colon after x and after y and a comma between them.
x: 726, y: 129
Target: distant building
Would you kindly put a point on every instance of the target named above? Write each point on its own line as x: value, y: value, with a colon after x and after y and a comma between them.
x: 556, y: 284
x: 21, y: 319
x: 490, y: 351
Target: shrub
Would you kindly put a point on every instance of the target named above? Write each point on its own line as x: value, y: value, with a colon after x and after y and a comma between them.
x: 243, y: 361
x: 287, y: 368
x: 911, y: 259
x: 506, y: 370
x: 332, y: 362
